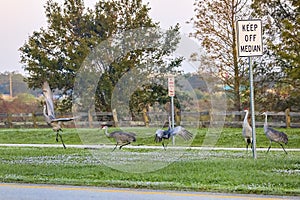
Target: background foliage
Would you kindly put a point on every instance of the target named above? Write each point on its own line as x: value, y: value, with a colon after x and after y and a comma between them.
x: 56, y: 53
x: 276, y: 72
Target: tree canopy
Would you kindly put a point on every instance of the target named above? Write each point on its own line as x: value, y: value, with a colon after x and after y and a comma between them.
x: 214, y: 24
x: 55, y: 53
x: 281, y: 20
x: 276, y: 73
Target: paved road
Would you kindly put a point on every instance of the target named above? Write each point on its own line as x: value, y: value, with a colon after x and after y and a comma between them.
x: 54, y: 192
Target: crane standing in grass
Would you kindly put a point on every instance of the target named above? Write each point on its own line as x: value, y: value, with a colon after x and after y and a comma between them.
x: 49, y: 114
x: 122, y: 138
x: 247, y: 130
x: 274, y: 135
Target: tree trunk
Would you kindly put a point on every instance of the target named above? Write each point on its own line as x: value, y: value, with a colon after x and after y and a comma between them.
x: 288, y: 118
x: 145, y: 116
x: 115, y: 117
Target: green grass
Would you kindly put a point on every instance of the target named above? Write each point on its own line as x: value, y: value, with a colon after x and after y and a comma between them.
x: 219, y: 171
x: 36, y: 136
x: 229, y: 137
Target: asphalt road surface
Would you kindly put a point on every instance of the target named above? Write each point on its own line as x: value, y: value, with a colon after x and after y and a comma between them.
x: 53, y: 192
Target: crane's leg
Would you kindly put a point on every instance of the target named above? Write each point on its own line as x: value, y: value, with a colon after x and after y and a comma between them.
x: 124, y: 145
x: 269, y: 146
x: 115, y: 147
x: 283, y: 148
x: 247, y: 144
x: 249, y: 141
x: 163, y: 144
x: 167, y: 143
x: 58, y: 134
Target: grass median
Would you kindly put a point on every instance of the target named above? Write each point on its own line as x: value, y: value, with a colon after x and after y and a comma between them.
x: 197, y: 170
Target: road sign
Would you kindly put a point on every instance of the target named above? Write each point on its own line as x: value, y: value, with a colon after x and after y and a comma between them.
x: 249, y: 43
x: 249, y: 38
x: 171, y: 93
x: 171, y: 86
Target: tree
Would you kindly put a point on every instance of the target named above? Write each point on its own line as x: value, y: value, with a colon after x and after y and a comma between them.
x: 215, y: 28
x: 57, y: 53
x: 144, y: 64
x: 281, y: 24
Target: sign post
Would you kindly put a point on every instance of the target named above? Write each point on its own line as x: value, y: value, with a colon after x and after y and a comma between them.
x: 249, y: 42
x: 171, y: 93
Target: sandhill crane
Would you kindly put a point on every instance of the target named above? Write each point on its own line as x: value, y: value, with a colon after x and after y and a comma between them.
x: 161, y: 135
x: 49, y: 114
x: 274, y: 135
x: 122, y: 138
x: 247, y: 130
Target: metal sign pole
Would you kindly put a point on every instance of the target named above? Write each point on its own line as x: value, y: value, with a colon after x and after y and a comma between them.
x: 172, y: 117
x: 252, y: 108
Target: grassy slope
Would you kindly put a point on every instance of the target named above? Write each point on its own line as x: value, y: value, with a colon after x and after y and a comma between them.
x: 273, y: 173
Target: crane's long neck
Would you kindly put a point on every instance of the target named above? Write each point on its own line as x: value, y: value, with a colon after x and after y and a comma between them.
x: 105, y: 131
x: 246, y: 117
x: 44, y: 111
x: 266, y: 122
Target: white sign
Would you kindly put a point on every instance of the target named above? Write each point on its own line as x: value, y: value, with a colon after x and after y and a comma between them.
x: 249, y: 38
x: 171, y: 86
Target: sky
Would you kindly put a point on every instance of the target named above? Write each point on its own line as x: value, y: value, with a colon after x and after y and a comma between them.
x: 20, y: 18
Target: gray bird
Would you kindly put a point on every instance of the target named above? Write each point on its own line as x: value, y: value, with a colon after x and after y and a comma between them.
x: 121, y: 138
x: 49, y: 114
x: 274, y: 135
x: 162, y: 135
x: 247, y: 130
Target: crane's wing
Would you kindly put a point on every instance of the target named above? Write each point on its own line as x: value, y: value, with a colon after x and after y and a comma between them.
x: 123, y: 136
x: 277, y: 136
x: 247, y: 130
x: 131, y: 133
x: 49, y: 100
x: 158, y: 135
x: 63, y: 119
x: 182, y: 132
